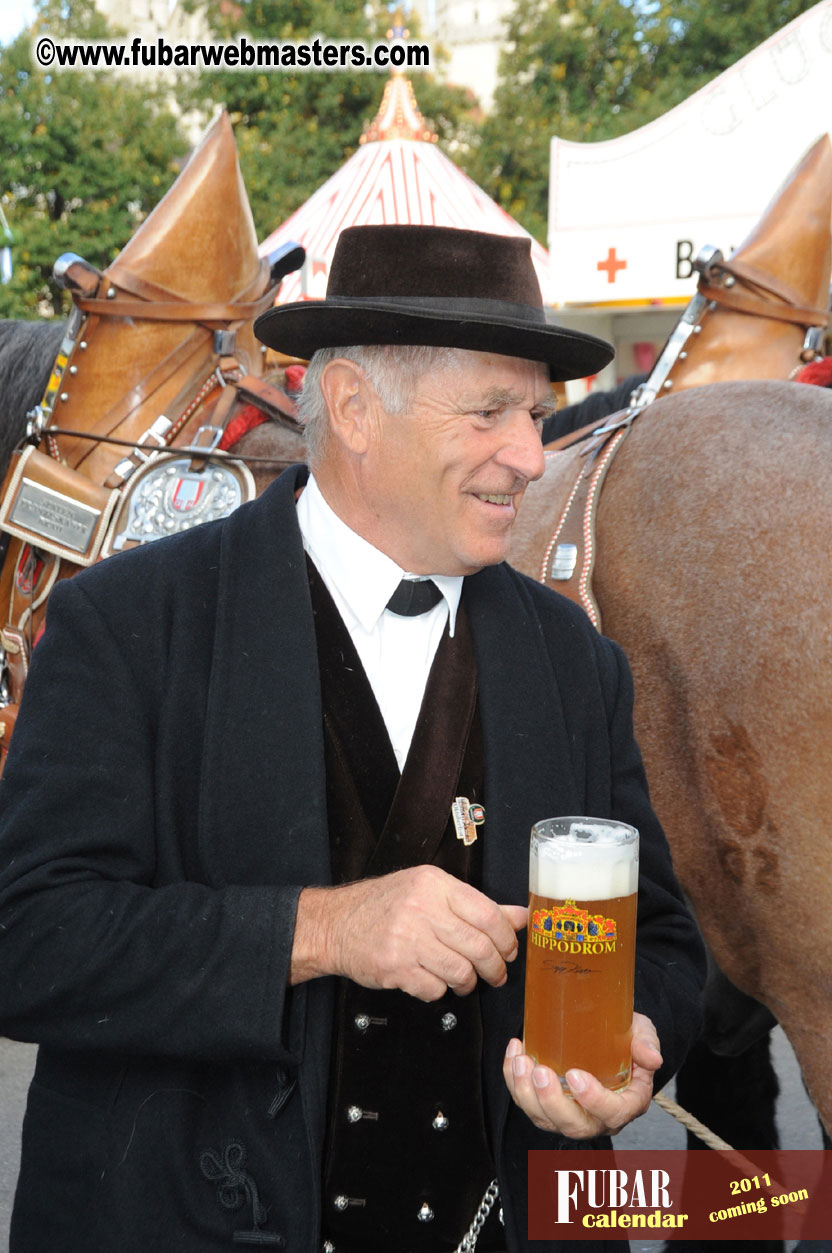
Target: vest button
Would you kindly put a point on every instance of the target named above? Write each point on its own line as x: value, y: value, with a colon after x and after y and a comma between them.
x: 354, y: 1114
x: 341, y: 1202
x: 363, y: 1021
x: 440, y: 1122
x: 425, y: 1214
x: 448, y: 1022
x: 329, y: 1247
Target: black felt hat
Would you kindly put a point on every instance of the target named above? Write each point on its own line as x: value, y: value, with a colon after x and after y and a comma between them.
x: 433, y: 285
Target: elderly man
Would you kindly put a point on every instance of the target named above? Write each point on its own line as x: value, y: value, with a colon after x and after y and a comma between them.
x: 278, y: 1000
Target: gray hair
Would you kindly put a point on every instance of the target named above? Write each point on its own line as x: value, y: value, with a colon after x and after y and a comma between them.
x: 393, y: 370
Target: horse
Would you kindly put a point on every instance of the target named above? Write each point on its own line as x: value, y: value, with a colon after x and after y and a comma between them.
x: 711, y: 575
x: 760, y: 315
x: 158, y: 357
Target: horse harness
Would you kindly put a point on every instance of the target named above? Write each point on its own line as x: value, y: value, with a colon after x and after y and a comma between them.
x: 569, y: 559
x: 173, y: 473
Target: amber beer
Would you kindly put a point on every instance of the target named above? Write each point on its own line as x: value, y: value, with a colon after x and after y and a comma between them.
x: 580, y: 957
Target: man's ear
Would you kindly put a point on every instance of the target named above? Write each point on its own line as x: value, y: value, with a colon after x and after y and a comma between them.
x: 350, y: 402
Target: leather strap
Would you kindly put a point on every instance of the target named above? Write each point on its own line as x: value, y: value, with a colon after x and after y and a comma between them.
x: 15, y: 646
x: 8, y: 717
x: 178, y: 311
x: 575, y: 437
x: 272, y: 400
x: 157, y: 303
x: 118, y: 413
x: 577, y: 525
x: 750, y: 274
x: 761, y: 307
x: 764, y: 295
x: 127, y: 280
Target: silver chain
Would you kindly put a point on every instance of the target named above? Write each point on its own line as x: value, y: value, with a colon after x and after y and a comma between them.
x: 468, y: 1243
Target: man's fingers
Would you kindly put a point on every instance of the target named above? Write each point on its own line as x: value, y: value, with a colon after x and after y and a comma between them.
x: 426, y: 986
x: 395, y: 930
x: 646, y: 1049
x: 612, y: 1110
x: 476, y: 938
x: 499, y: 922
x: 517, y: 915
x: 588, y: 1109
x: 473, y: 950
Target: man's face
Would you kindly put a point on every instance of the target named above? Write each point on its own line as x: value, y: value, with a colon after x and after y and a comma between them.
x: 442, y: 483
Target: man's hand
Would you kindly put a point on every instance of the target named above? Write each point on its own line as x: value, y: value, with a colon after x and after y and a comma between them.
x: 420, y: 930
x: 594, y: 1111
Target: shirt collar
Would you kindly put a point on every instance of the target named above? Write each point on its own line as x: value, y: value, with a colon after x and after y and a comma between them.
x: 365, y: 577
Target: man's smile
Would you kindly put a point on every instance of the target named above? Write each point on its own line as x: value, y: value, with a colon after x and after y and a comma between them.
x: 494, y: 498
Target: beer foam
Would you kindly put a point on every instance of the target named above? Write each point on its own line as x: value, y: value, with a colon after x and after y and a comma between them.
x: 585, y: 863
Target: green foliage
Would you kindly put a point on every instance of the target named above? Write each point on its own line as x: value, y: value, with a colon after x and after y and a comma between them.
x: 86, y: 157
x: 705, y: 38
x: 589, y: 72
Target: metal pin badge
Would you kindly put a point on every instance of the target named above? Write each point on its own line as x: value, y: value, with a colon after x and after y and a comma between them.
x: 467, y: 817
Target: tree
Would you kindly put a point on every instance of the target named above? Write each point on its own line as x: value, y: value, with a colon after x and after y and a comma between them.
x: 701, y: 38
x: 590, y: 72
x: 86, y: 157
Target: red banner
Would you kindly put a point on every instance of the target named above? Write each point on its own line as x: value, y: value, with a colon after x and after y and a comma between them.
x: 700, y: 1195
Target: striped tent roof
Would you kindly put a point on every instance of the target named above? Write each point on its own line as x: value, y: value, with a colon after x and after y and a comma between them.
x: 397, y: 175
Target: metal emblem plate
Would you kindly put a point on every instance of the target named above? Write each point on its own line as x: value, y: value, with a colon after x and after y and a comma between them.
x: 171, y: 498
x: 467, y: 816
x: 54, y: 516
x: 563, y: 562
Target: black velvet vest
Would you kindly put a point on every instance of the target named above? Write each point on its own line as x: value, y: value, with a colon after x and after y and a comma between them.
x: 407, y: 1157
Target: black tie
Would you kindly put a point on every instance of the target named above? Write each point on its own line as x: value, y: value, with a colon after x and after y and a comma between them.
x: 414, y: 596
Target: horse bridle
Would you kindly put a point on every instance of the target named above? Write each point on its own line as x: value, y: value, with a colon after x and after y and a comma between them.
x: 97, y: 295
x: 569, y: 559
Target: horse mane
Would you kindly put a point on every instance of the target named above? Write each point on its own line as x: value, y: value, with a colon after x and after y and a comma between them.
x: 27, y: 351
x: 597, y: 405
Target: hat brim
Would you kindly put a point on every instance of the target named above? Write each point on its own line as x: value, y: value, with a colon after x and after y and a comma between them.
x: 300, y: 329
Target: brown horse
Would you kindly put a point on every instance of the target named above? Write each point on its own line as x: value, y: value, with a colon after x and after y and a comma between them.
x: 159, y: 353
x: 715, y: 574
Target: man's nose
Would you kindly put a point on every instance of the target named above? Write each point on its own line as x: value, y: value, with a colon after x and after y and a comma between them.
x: 522, y: 451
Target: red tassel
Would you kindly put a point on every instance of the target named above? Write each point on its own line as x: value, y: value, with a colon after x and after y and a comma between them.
x: 817, y: 372
x: 294, y: 378
x: 246, y: 420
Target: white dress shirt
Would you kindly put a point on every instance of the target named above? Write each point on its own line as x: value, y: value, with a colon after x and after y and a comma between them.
x: 396, y: 652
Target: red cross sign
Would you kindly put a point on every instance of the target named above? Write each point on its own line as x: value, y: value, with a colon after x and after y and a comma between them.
x: 612, y: 265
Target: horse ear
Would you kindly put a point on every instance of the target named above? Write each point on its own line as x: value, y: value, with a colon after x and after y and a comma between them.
x: 200, y: 240
x: 784, y: 264
x: 792, y: 238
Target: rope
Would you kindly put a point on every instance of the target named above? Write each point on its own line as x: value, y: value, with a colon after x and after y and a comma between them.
x: 711, y: 1140
x: 692, y: 1124
x: 179, y: 450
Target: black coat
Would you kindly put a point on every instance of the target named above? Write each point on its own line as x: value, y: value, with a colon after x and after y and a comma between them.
x: 162, y: 806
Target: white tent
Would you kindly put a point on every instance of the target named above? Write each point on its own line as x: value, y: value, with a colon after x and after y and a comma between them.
x: 626, y: 216
x: 397, y: 175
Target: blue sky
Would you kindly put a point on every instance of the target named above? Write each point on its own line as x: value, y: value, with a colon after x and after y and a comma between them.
x: 14, y: 15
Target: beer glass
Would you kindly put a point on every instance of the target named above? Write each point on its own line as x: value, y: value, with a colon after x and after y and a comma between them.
x: 580, y: 957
